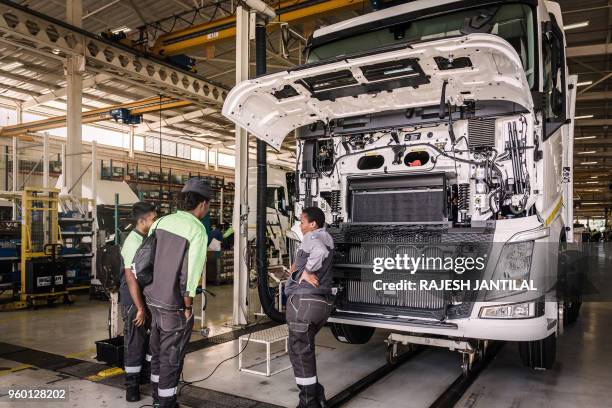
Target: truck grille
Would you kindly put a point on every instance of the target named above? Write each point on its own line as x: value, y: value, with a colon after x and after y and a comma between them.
x: 363, y: 292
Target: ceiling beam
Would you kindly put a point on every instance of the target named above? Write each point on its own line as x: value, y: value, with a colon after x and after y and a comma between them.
x: 593, y: 122
x: 595, y: 96
x: 61, y: 93
x: 588, y: 50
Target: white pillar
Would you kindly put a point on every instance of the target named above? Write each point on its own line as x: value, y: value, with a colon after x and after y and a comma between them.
x: 131, y: 152
x: 207, y: 153
x: 240, y: 218
x: 94, y: 170
x: 15, y: 175
x: 45, y: 160
x: 217, y: 158
x: 19, y: 111
x: 64, y: 166
x: 75, y: 66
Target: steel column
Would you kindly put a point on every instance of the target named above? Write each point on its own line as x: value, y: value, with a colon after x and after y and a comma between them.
x: 75, y: 66
x: 240, y: 218
x: 45, y: 160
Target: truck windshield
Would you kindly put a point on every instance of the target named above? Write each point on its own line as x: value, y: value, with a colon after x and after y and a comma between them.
x: 512, y: 22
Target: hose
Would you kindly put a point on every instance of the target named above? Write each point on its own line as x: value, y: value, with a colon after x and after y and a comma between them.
x: 266, y: 297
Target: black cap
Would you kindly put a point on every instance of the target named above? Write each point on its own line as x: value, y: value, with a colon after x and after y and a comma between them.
x: 197, y: 185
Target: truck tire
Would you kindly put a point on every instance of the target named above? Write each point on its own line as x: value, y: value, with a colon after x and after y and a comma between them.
x: 351, y: 334
x: 571, y: 311
x: 539, y: 353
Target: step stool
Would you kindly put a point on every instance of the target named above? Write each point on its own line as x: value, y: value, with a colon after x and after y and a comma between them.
x: 267, y: 337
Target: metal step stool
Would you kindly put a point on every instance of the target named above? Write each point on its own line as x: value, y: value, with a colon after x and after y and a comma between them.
x: 267, y: 337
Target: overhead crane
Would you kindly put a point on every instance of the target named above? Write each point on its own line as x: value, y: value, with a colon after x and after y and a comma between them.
x: 154, y: 104
x: 199, y: 35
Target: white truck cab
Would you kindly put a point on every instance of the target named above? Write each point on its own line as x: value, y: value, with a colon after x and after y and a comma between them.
x: 427, y: 125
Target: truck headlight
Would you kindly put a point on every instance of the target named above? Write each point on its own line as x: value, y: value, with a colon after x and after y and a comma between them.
x: 515, y: 261
x: 524, y: 310
x: 514, y: 264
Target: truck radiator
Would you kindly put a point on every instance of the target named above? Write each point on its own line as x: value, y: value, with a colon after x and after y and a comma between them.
x: 363, y: 292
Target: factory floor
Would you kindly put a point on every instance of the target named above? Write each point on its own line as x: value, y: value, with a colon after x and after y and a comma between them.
x: 581, y: 377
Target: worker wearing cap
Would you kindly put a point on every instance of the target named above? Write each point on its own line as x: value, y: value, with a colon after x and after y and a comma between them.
x: 136, y: 320
x: 180, y: 258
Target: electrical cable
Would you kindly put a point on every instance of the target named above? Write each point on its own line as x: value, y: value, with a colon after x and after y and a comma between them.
x: 186, y: 383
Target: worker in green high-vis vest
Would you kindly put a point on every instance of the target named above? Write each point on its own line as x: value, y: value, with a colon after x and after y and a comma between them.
x: 180, y: 258
x: 136, y: 319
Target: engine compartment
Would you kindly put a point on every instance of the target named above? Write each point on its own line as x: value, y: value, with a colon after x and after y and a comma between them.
x: 457, y: 166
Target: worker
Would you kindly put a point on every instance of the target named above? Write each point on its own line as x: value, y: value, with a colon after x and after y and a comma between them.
x: 180, y: 258
x: 310, y: 302
x: 136, y: 318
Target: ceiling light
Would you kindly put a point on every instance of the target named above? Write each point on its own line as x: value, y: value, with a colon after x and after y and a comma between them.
x: 583, y: 117
x: 11, y: 66
x: 587, y: 163
x: 592, y: 203
x: 585, y: 137
x: 122, y: 29
x: 594, y: 177
x: 585, y: 83
x: 589, y: 152
x: 55, y: 51
x: 576, y: 25
x: 592, y: 182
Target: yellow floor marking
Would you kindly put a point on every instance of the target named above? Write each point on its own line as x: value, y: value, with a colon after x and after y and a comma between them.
x: 15, y: 369
x: 109, y: 372
x: 87, y: 352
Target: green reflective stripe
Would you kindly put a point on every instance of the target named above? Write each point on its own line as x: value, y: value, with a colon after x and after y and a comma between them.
x: 228, y: 232
x: 185, y: 225
x: 129, y: 248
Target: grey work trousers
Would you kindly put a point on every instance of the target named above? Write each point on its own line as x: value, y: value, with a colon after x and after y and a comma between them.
x: 170, y: 333
x: 306, y: 315
x: 135, y: 341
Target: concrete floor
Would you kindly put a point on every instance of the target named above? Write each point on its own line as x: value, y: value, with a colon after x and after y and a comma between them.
x: 581, y: 378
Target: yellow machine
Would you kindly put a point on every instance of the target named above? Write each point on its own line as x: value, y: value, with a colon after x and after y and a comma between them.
x: 43, y: 279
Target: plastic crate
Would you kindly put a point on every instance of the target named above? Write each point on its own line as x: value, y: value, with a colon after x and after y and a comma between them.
x: 110, y: 351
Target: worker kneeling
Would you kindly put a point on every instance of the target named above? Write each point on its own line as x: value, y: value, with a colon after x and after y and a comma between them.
x: 180, y: 258
x: 309, y: 303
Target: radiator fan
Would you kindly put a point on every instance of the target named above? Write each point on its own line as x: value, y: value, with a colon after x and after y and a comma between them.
x: 108, y: 265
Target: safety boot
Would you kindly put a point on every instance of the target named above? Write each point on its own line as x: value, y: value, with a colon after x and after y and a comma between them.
x: 154, y: 387
x: 132, y: 387
x: 309, y: 396
x: 321, y: 396
x: 145, y: 373
x: 168, y: 402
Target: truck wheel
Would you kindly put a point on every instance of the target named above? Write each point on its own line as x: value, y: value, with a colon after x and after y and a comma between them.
x: 539, y: 353
x: 351, y: 334
x: 571, y: 310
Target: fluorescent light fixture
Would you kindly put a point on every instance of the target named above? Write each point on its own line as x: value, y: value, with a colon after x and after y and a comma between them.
x: 589, y: 152
x: 56, y: 51
x: 122, y: 29
x: 592, y: 182
x: 583, y: 117
x: 11, y: 66
x: 594, y: 177
x: 591, y: 203
x: 576, y: 25
x: 585, y: 83
x: 587, y: 163
x: 585, y: 137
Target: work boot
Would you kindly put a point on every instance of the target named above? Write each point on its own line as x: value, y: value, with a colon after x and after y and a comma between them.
x: 309, y: 396
x: 154, y: 387
x: 168, y: 402
x: 321, y: 396
x: 132, y: 387
x: 145, y: 373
